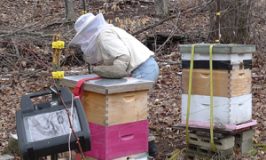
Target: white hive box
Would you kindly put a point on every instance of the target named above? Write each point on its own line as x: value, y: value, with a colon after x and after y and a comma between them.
x: 227, y: 111
x: 234, y: 54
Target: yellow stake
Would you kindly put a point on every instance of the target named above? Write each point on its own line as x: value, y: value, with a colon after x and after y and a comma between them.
x: 57, y: 47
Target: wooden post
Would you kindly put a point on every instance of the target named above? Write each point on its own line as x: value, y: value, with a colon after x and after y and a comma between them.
x: 161, y: 7
x: 233, y: 21
x: 218, y: 20
x: 69, y: 8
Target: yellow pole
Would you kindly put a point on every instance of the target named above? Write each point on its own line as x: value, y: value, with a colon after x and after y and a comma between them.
x: 57, y: 46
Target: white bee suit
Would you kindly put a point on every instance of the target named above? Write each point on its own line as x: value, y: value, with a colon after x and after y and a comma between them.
x: 117, y: 52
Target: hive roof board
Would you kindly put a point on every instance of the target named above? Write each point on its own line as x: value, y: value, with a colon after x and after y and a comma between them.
x: 219, y: 48
x: 108, y: 86
x: 223, y: 52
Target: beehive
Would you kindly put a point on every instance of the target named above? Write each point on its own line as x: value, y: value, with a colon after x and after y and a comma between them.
x: 113, y: 101
x: 232, y: 96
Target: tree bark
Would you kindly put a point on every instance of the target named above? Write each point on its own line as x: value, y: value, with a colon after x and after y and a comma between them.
x: 69, y: 8
x: 234, y: 21
x: 161, y: 7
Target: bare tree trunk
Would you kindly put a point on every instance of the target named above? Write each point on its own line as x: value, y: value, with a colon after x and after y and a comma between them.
x: 161, y: 7
x: 234, y: 21
x: 69, y: 8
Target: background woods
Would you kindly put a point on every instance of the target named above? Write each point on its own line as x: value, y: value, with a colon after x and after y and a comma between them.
x: 234, y: 21
x: 27, y: 28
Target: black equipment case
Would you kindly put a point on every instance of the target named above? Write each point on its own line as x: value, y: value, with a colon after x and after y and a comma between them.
x: 43, y: 129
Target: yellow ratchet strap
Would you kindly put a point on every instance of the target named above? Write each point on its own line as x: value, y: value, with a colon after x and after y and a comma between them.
x: 189, y: 91
x: 58, y: 75
x: 213, y: 147
x: 58, y: 44
x: 83, y: 12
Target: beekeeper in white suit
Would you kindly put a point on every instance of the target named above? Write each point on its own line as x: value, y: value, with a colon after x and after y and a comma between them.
x: 114, y: 53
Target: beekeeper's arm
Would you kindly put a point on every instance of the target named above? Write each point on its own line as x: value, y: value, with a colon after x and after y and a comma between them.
x: 114, y: 50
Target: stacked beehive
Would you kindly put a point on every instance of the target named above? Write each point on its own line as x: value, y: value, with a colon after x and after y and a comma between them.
x: 117, y: 114
x: 232, y: 98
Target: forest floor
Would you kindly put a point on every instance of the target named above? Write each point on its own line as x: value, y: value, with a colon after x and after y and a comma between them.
x: 26, y: 32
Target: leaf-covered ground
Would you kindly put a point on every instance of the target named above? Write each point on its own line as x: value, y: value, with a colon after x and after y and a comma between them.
x: 27, y: 27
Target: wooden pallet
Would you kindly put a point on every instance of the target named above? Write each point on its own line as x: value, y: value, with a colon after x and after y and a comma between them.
x: 221, y: 144
x: 229, y: 129
x: 195, y: 152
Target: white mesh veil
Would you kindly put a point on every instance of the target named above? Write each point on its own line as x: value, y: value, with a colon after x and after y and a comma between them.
x: 88, y: 28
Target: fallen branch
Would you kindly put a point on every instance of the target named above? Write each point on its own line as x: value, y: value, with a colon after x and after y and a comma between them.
x: 69, y: 22
x: 20, y: 29
x: 204, y: 5
x: 4, y: 34
x: 168, y: 62
x: 27, y: 74
x: 16, y: 47
x: 154, y: 25
x: 32, y: 31
x: 169, y: 37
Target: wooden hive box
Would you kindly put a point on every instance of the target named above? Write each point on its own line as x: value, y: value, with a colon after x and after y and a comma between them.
x: 113, y: 101
x: 225, y: 83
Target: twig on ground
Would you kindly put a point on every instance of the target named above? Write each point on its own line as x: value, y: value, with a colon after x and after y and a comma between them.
x: 204, y: 5
x: 55, y: 23
x: 168, y: 62
x: 8, y: 34
x: 169, y: 37
x: 154, y: 25
x: 16, y: 47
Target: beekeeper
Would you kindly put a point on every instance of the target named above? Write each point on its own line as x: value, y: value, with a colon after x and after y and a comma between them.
x: 111, y: 51
x: 114, y: 53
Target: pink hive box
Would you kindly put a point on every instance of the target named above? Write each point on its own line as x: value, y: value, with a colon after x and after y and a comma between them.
x: 109, y: 142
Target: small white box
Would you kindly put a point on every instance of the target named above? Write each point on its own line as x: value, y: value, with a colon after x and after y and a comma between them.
x: 227, y: 111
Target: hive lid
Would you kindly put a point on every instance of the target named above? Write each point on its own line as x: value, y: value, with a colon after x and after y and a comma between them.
x: 108, y: 86
x: 218, y: 48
